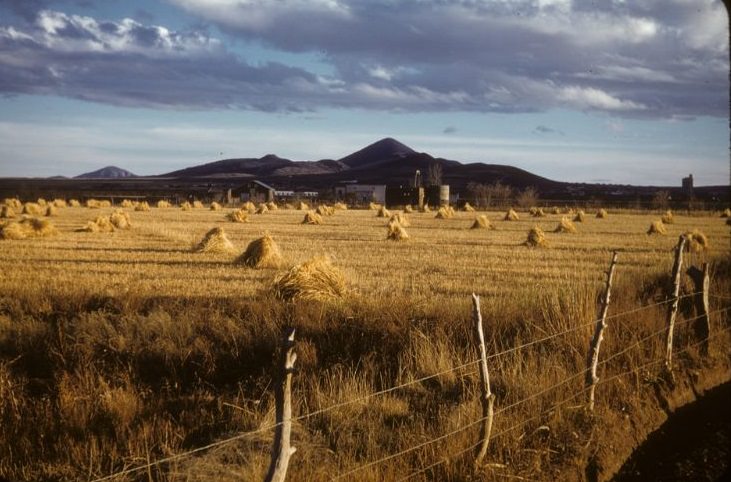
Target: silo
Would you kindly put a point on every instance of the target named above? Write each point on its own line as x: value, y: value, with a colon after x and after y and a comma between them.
x: 444, y: 195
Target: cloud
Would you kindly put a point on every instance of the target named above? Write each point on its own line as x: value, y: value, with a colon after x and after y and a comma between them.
x: 544, y: 130
x: 449, y: 130
x: 630, y: 59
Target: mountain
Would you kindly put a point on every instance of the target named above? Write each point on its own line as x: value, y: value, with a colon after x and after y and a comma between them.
x: 385, y: 149
x: 269, y: 165
x: 109, y: 172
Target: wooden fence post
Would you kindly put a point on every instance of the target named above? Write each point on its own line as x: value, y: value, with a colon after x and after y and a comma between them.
x: 592, y: 358
x: 281, y: 450
x: 487, y: 398
x: 702, y: 325
x: 673, y: 309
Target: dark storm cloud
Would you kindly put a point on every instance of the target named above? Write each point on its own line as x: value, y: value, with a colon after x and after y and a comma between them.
x: 648, y: 58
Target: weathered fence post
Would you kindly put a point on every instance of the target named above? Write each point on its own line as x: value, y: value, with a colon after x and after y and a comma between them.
x: 281, y: 450
x: 673, y: 309
x: 592, y: 358
x: 487, y: 398
x: 702, y: 325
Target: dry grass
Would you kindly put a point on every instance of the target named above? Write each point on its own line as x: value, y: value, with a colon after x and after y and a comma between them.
x: 27, y: 228
x: 668, y: 217
x: 565, y: 226
x: 511, y: 215
x: 481, y: 222
x: 311, y: 217
x: 601, y: 214
x: 214, y: 241
x: 314, y: 280
x: 262, y: 253
x: 238, y: 216
x: 657, y: 227
x: 536, y: 238
x: 395, y: 231
x: 696, y: 241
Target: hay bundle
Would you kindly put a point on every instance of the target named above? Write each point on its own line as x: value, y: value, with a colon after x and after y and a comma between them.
x: 481, y: 222
x: 197, y: 205
x: 571, y: 211
x: 374, y: 206
x: 59, y: 203
x: 42, y: 202
x: 238, y: 216
x: 105, y: 203
x: 32, y: 209
x: 667, y: 218
x: 92, y: 204
x: 302, y: 206
x: 536, y: 238
x: 565, y: 226
x: 261, y: 253
x: 262, y: 209
x: 601, y: 214
x: 511, y: 215
x: 340, y: 206
x: 443, y: 213
x: 580, y: 216
x: 555, y: 210
x: 311, y: 217
x: 51, y: 210
x: 288, y: 206
x: 536, y: 212
x: 696, y: 241
x: 215, y: 206
x: 163, y: 204
x: 396, y: 231
x: 324, y: 210
x: 101, y: 224
x: 450, y: 210
x: 126, y: 203
x: 272, y: 206
x: 726, y: 213
x: 186, y: 206
x: 214, y: 241
x: 316, y: 279
x: 401, y: 219
x: 468, y: 208
x: 383, y: 213
x: 6, y: 212
x: 120, y: 219
x: 425, y: 209
x: 28, y: 228
x: 13, y: 203
x: 142, y: 206
x: 74, y: 203
x: 657, y: 227
x: 408, y: 209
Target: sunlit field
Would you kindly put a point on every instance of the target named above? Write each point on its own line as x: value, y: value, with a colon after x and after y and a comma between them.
x: 119, y: 349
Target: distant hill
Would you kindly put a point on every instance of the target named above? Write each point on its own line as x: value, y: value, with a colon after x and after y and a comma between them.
x: 109, y: 172
x: 386, y: 161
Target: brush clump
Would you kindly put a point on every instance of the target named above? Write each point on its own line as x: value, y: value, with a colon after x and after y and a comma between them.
x: 536, y: 238
x: 481, y: 222
x: 311, y: 217
x: 383, y: 212
x: 468, y: 208
x: 695, y: 241
x: 580, y: 216
x: 657, y: 227
x: 565, y: 226
x: 238, y: 216
x: 395, y: 231
x: 314, y: 280
x: 214, y: 241
x: 601, y: 214
x: 261, y: 253
x: 511, y: 215
x: 27, y: 228
x: 667, y: 218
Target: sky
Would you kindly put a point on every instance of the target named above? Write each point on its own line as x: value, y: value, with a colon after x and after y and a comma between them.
x: 608, y: 91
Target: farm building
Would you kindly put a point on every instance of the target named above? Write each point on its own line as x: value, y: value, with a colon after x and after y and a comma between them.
x: 404, y: 195
x: 255, y: 191
x: 355, y: 193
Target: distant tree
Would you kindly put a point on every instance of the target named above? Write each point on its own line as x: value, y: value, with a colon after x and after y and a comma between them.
x: 434, y: 175
x: 661, y: 200
x: 527, y: 198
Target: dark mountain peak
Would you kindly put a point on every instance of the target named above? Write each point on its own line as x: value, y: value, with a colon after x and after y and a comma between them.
x: 270, y: 157
x: 385, y: 149
x: 109, y: 172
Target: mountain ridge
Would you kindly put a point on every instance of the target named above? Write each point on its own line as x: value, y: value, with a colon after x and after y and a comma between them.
x: 107, y: 172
